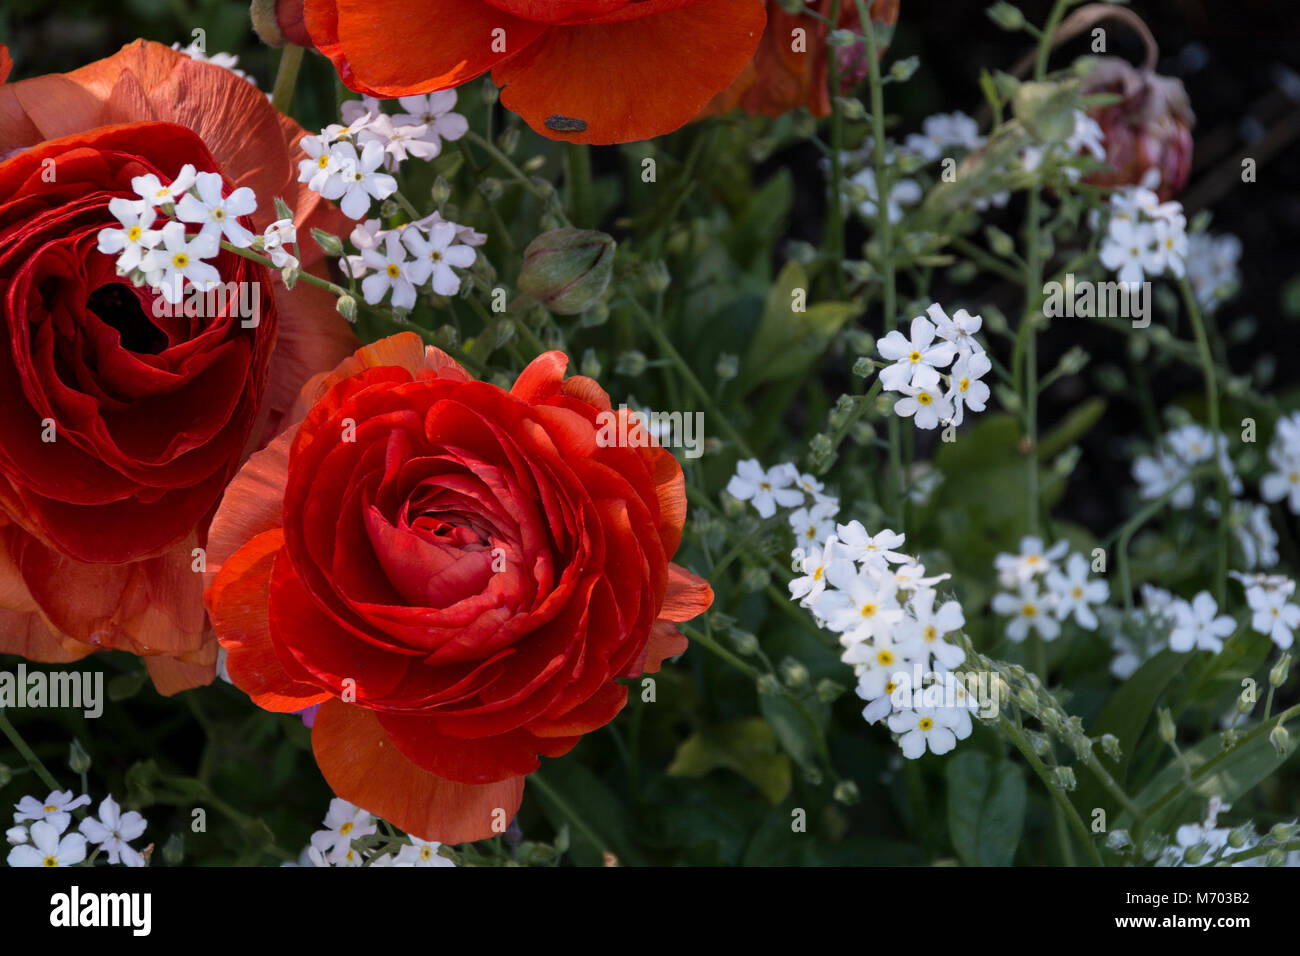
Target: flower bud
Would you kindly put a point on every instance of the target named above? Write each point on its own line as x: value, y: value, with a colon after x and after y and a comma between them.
x: 1167, y: 729
x: 755, y: 579
x: 78, y: 759
x: 1240, y: 836
x: 1275, y: 857
x: 846, y: 792
x: 173, y: 851
x: 1064, y: 777
x: 1118, y: 840
x: 1110, y: 746
x: 1283, y: 832
x: 1150, y: 127
x: 5, y: 775
x: 278, y: 22
x: 567, y: 270
x: 1195, y: 854
x: 743, y: 641
x: 794, y: 673
x: 1281, y: 671
x: 1280, y: 739
x: 441, y: 191
x: 727, y: 367
x: 590, y: 365
x: 769, y: 686
x: 828, y: 691
x: 347, y: 307
x: 631, y: 363
x: 330, y: 244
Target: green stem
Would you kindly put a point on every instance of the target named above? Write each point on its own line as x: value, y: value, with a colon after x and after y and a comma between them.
x: 1212, y: 411
x: 26, y: 752
x: 518, y: 175
x: 702, y: 393
x: 1062, y: 802
x: 286, y: 77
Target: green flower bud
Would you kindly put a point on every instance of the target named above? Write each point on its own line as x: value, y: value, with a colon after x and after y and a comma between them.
x: 1240, y: 836
x: 1110, y: 746
x: 846, y: 792
x: 78, y: 759
x: 828, y: 691
x: 5, y: 775
x: 727, y: 367
x: 1118, y: 840
x: 1281, y: 671
x: 489, y: 91
x: 657, y: 278
x: 441, y: 191
x: 347, y: 307
x: 590, y: 365
x: 173, y: 850
x: 1167, y: 729
x: 1006, y: 15
x: 903, y: 69
x: 1064, y: 777
x: 567, y: 270
x: 598, y: 314
x: 1275, y: 857
x: 631, y: 363
x: 1280, y: 739
x: 743, y: 641
x: 769, y: 686
x: 794, y: 673
x: 491, y: 188
x: 508, y: 141
x: 1283, y: 832
x: 330, y: 244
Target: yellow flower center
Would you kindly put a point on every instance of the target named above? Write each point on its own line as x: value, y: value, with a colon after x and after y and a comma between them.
x: 435, y: 255
x: 1029, y: 610
x: 925, y: 723
x: 50, y: 861
x: 817, y: 575
x: 924, y: 398
x: 180, y: 260
x: 885, y: 658
x: 914, y: 357
x: 346, y: 828
x: 133, y: 233
x: 868, y: 610
x: 1076, y: 592
x: 393, y: 271
x: 930, y: 632
x: 49, y: 808
x: 426, y: 853
x: 323, y: 161
x: 218, y: 215
x: 964, y: 384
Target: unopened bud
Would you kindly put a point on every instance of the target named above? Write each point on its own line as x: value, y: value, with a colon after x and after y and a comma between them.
x: 347, y: 307
x: 769, y: 686
x: 828, y: 691
x: 330, y: 244
x: 794, y: 673
x: 568, y: 270
x: 1280, y: 739
x: 590, y: 365
x: 78, y: 759
x: 1167, y: 729
x: 846, y: 792
x: 631, y: 363
x: 1278, y: 675
x: 1110, y: 746
x: 743, y: 641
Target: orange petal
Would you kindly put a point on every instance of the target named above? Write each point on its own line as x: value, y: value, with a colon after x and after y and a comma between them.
x: 362, y: 766
x: 665, y: 642
x: 252, y: 503
x: 688, y: 595
x: 541, y: 378
x: 631, y: 80
x: 237, y: 603
x: 29, y: 635
x: 400, y: 47
x: 171, y: 675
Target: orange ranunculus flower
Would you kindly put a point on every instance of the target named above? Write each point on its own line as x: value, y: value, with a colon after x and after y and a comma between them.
x: 585, y: 71
x: 122, y: 425
x: 459, y: 575
x: 790, y: 68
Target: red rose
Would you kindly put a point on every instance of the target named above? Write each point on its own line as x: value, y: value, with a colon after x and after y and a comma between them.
x: 586, y: 71
x: 458, y: 573
x: 122, y: 426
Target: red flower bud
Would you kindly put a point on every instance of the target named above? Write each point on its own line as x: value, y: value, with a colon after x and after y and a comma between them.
x: 1149, y: 128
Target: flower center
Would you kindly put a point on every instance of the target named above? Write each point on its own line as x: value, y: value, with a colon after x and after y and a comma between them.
x: 393, y: 271
x: 930, y: 632
x: 49, y: 808
x: 914, y: 357
x: 218, y: 215
x: 426, y: 853
x: 868, y: 610
x: 885, y: 657
x: 346, y: 828
x: 133, y: 233
x: 817, y: 575
x: 925, y: 723
x: 323, y: 161
x: 1029, y: 610
x: 50, y: 861
x: 180, y: 260
x: 964, y: 384
x: 924, y: 398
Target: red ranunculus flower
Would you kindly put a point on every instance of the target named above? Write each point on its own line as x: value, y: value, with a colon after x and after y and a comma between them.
x: 122, y: 427
x: 586, y: 71
x: 457, y: 573
x: 791, y: 66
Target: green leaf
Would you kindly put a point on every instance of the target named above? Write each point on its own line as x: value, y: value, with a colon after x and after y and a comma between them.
x: 1071, y: 428
x: 1228, y: 779
x: 747, y: 747
x: 794, y: 727
x: 986, y: 808
x: 788, y: 341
